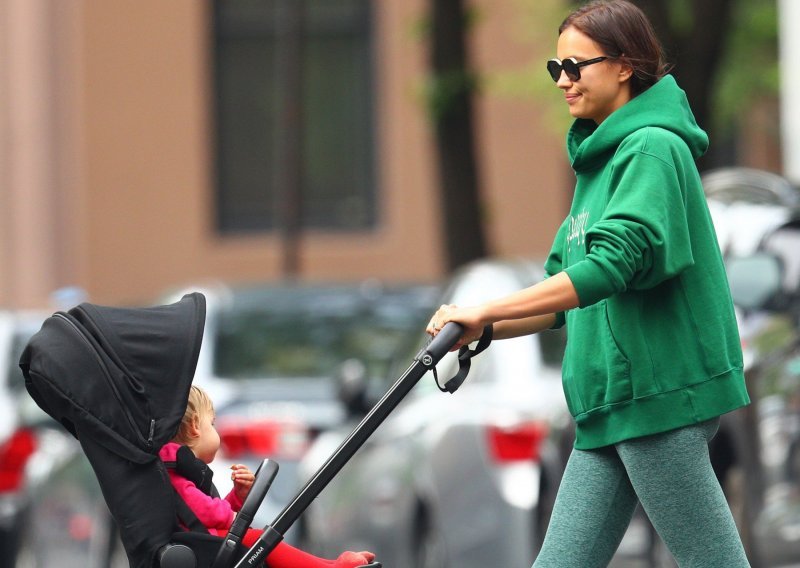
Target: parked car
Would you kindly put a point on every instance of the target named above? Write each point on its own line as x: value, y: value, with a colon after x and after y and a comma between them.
x: 68, y: 523
x: 17, y: 441
x: 746, y: 204
x: 766, y: 286
x: 464, y: 480
x: 269, y: 359
x: 47, y: 491
x: 757, y: 218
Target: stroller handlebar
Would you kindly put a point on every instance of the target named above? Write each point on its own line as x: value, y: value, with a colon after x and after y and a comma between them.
x: 440, y: 345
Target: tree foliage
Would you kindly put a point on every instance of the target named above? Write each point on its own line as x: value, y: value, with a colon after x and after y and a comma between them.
x: 724, y: 54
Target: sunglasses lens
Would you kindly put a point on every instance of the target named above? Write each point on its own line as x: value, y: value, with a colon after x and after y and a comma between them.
x: 554, y: 68
x: 571, y: 69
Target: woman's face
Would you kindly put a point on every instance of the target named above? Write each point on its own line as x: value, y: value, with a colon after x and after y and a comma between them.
x: 602, y: 88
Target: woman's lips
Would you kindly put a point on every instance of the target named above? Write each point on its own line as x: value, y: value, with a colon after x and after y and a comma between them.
x: 571, y: 97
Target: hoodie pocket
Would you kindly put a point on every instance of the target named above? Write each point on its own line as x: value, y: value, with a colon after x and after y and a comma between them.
x: 596, y: 372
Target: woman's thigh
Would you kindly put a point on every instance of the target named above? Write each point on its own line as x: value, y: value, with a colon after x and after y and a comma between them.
x: 673, y: 478
x: 592, y: 510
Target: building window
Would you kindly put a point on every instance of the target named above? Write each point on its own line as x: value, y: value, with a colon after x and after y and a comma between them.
x: 337, y: 181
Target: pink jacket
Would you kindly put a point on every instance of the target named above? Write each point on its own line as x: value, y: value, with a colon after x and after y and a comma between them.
x: 216, y: 514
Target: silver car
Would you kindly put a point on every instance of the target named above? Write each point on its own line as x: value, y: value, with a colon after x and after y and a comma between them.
x: 463, y: 480
x: 269, y: 358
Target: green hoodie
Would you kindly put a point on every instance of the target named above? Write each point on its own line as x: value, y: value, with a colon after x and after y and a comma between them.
x: 654, y: 344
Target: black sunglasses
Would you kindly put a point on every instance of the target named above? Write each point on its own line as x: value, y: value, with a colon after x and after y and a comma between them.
x: 570, y: 66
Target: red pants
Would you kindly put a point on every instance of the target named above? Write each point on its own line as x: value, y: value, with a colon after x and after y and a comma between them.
x: 286, y: 556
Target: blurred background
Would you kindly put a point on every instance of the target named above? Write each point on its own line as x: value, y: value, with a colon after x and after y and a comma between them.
x: 343, y: 159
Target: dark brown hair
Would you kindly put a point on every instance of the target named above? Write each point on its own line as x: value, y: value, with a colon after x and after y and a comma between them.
x: 623, y: 32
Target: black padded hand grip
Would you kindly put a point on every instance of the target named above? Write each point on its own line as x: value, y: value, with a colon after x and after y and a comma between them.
x: 444, y: 340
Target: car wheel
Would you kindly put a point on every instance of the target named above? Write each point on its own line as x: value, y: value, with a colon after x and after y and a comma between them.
x: 429, y: 549
x: 9, y: 543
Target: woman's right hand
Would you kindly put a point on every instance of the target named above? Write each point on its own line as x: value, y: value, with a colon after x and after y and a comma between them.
x: 470, y: 318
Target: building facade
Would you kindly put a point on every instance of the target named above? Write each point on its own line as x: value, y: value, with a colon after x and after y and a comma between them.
x: 132, y: 135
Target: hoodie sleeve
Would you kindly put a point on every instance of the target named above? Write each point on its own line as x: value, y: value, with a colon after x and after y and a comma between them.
x: 642, y: 237
x: 234, y: 501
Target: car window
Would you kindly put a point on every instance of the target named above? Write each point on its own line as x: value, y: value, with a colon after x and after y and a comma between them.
x: 785, y: 244
x: 13, y: 373
x: 312, y: 341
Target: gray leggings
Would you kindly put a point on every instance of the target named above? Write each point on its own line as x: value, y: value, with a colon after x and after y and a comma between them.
x: 671, y: 475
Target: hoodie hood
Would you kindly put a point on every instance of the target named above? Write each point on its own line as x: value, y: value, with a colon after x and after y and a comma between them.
x: 664, y: 105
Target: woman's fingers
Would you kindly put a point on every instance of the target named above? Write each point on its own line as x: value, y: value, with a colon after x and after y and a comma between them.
x: 440, y: 318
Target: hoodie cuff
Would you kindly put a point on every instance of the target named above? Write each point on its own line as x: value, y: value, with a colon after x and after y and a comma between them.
x: 235, y: 502
x: 591, y: 282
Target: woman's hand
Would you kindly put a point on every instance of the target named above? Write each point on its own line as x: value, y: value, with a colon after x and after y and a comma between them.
x: 471, y: 319
x: 243, y: 480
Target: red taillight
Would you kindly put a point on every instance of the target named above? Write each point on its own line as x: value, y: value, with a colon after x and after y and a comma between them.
x: 14, y: 455
x: 516, y: 442
x: 264, y: 438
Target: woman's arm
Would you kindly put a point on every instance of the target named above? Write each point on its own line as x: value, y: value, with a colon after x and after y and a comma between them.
x: 529, y: 310
x: 507, y: 329
x: 555, y: 294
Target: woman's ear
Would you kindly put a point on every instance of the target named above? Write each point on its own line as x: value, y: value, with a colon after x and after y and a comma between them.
x: 625, y: 70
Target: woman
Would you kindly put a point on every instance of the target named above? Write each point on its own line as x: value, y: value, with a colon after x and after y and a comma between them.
x: 653, y: 356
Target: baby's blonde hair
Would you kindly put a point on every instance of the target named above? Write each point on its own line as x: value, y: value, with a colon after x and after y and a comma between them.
x: 199, y: 405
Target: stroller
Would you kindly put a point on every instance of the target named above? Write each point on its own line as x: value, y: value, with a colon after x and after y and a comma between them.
x: 118, y: 380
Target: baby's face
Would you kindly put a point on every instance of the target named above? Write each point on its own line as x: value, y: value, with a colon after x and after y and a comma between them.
x: 207, y: 444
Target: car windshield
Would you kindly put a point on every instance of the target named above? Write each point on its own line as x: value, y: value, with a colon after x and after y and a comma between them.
x: 784, y: 243
x: 286, y: 333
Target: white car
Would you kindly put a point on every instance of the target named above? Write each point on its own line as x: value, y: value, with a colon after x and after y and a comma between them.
x: 269, y: 359
x: 464, y: 480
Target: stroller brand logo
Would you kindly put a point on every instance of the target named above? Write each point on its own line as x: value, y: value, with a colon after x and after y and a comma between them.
x: 255, y: 556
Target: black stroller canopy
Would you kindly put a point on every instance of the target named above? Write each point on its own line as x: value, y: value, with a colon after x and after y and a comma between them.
x: 119, y: 375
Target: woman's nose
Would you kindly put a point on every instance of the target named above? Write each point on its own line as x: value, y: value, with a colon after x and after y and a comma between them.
x: 563, y: 82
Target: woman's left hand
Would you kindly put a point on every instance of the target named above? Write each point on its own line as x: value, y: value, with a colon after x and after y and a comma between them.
x: 242, y: 479
x: 470, y: 318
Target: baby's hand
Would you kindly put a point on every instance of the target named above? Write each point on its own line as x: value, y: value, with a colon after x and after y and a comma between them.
x: 353, y: 559
x: 243, y: 480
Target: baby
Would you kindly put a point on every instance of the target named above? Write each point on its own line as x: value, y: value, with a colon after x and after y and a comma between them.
x: 187, y: 457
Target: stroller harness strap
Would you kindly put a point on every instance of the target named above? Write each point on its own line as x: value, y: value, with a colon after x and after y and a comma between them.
x: 187, y: 517
x: 195, y: 470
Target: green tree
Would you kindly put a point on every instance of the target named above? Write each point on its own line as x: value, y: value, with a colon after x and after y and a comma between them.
x: 724, y: 54
x: 725, y: 57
